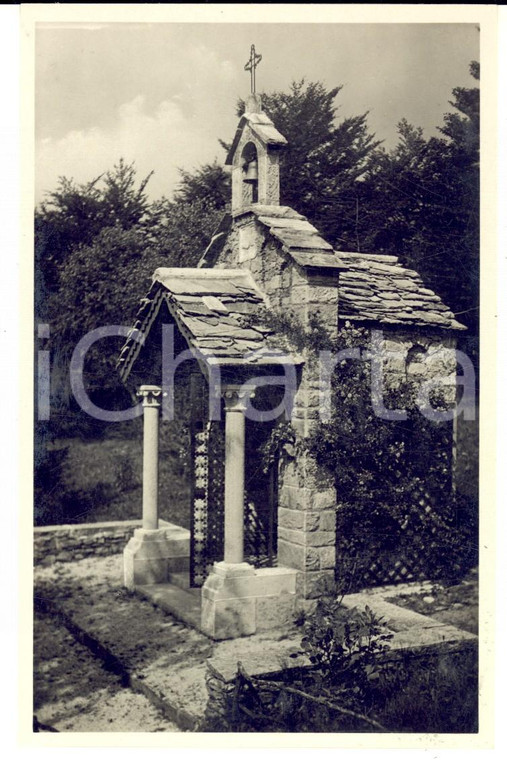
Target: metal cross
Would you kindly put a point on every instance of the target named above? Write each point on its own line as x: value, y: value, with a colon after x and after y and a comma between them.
x: 251, y: 65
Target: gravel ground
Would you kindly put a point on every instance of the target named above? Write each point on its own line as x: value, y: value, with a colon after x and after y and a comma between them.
x: 454, y: 605
x: 74, y: 692
x: 151, y: 645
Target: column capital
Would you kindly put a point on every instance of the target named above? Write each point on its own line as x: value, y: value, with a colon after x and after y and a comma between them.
x: 150, y: 394
x: 236, y: 397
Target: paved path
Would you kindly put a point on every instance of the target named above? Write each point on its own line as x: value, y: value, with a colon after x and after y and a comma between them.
x: 158, y: 656
x: 73, y: 691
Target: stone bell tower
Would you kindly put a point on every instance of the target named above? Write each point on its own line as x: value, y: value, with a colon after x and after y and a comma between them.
x: 254, y: 154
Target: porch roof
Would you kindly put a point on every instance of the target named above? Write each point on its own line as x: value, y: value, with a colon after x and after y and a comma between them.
x: 218, y: 312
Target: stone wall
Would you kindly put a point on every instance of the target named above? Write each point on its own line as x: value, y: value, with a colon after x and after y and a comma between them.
x: 67, y: 543
x: 418, y: 357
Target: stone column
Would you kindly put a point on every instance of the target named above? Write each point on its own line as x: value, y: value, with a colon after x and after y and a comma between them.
x: 235, y: 397
x: 151, y: 395
x: 236, y: 599
x: 153, y: 552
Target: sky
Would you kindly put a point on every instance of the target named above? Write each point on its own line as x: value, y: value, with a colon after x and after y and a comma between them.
x: 162, y: 94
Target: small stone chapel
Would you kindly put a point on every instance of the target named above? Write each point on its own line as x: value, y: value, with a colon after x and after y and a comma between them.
x: 261, y: 543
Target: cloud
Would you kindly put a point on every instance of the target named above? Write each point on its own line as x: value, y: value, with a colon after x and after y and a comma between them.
x: 175, y: 122
x: 161, y: 140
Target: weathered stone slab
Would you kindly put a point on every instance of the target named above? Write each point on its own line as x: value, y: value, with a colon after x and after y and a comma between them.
x: 316, y: 259
x: 383, y: 258
x: 412, y: 631
x: 275, y: 211
x: 151, y: 555
x: 301, y: 240
x: 287, y: 223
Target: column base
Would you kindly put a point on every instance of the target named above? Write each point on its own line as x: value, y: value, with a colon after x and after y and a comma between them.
x: 239, y: 600
x: 152, y: 555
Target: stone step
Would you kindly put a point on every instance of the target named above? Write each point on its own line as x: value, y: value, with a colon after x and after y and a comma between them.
x: 182, y: 580
x: 183, y: 604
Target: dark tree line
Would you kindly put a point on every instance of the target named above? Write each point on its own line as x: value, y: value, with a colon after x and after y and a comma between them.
x: 98, y: 243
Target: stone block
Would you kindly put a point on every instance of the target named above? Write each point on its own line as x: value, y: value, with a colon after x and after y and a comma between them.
x: 305, y: 413
x: 275, y: 611
x: 293, y: 497
x: 291, y: 555
x: 290, y: 518
x: 441, y: 366
x: 307, y: 398
x: 298, y: 277
x: 394, y: 362
x: 289, y: 475
x: 310, y: 585
x: 328, y: 520
x: 320, y: 538
x: 300, y: 294
x: 324, y: 499
x: 237, y: 600
x: 327, y: 557
x: 392, y: 380
x: 299, y: 426
x: 312, y: 559
x: 293, y: 536
x: 396, y: 346
x: 228, y: 619
x: 328, y: 316
x: 227, y: 584
x: 319, y: 294
x: 286, y: 496
x: 151, y: 555
x: 417, y: 369
x: 312, y: 521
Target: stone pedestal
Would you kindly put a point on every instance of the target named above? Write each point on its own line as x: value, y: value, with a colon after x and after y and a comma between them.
x: 152, y: 555
x: 238, y: 600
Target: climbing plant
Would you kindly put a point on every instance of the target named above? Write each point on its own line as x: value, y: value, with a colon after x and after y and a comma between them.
x: 397, y: 515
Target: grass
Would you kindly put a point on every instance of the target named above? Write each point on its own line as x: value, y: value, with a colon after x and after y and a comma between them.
x: 100, y: 480
x: 439, y: 695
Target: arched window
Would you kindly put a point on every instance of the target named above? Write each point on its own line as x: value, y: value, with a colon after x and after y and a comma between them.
x: 250, y: 169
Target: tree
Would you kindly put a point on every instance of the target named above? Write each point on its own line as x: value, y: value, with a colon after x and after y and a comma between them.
x: 110, y: 240
x: 209, y: 184
x: 74, y: 214
x: 421, y: 202
x: 463, y: 131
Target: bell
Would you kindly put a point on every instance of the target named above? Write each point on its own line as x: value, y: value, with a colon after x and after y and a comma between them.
x: 251, y: 174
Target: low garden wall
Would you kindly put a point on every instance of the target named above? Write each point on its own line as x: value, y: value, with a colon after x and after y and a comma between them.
x: 67, y: 543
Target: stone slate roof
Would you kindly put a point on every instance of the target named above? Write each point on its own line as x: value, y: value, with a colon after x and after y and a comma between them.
x: 217, y: 312
x: 377, y: 288
x: 299, y: 239
x: 262, y: 126
x: 372, y: 287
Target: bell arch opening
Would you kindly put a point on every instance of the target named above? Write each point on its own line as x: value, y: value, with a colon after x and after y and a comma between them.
x: 250, y: 173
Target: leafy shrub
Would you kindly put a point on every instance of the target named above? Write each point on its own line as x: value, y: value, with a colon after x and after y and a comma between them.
x: 337, y: 693
x: 353, y: 685
x: 344, y: 646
